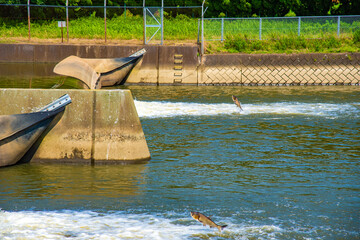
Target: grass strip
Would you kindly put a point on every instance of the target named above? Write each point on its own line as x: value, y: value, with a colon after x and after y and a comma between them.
x: 241, y: 36
x: 286, y: 44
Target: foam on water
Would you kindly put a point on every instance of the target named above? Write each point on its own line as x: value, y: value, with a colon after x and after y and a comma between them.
x: 116, y: 225
x: 155, y: 109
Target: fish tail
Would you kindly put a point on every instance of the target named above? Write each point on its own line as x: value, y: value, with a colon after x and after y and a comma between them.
x: 221, y: 227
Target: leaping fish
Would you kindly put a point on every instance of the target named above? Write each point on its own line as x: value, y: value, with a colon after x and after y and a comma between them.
x: 206, y: 220
x: 237, y: 102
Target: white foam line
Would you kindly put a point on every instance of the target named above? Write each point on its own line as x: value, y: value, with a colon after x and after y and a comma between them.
x: 91, y: 225
x: 155, y: 109
x: 86, y: 225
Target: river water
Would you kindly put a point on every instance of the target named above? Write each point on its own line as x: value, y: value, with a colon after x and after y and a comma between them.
x: 287, y: 167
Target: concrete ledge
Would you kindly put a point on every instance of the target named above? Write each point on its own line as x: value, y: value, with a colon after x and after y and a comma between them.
x: 98, y: 126
x: 282, y: 59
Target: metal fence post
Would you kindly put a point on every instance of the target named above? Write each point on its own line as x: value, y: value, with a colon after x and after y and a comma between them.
x: 67, y: 19
x: 144, y: 13
x: 28, y: 9
x: 338, y: 26
x: 105, y: 18
x: 222, y: 29
x: 202, y: 28
x: 299, y: 25
x: 260, y: 23
x: 162, y: 22
x: 198, y: 39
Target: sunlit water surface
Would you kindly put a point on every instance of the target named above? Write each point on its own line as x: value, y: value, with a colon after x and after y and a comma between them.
x: 287, y: 167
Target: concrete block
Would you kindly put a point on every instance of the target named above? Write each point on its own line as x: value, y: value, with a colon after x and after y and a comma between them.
x: 99, y: 126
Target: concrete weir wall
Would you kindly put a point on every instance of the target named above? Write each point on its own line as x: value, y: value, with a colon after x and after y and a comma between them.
x: 178, y: 65
x: 281, y: 69
x: 166, y: 65
x: 99, y: 126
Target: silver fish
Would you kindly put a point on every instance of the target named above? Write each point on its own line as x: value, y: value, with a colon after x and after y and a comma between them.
x: 206, y: 220
x: 237, y: 102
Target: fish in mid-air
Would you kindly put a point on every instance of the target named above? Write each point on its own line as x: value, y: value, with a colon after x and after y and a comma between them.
x: 206, y: 220
x: 237, y: 102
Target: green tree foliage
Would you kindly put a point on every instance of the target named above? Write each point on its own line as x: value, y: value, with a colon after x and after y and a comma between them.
x: 231, y: 8
x: 313, y: 8
x: 273, y: 8
x: 345, y: 7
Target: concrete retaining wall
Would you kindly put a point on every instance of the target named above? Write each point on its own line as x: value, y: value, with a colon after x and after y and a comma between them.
x: 99, y: 126
x: 178, y: 65
x: 281, y: 69
x: 161, y: 64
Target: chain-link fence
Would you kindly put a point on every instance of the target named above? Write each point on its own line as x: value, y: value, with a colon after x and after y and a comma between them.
x: 29, y: 19
x: 156, y: 23
x: 55, y: 21
x: 217, y: 29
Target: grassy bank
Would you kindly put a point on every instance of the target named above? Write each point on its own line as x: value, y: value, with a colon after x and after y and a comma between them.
x: 287, y: 44
x: 119, y: 27
x: 240, y: 35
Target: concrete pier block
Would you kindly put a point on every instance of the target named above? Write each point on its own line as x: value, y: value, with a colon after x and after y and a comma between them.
x: 99, y: 126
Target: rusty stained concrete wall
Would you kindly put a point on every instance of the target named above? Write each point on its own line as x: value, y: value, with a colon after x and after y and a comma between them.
x: 99, y: 126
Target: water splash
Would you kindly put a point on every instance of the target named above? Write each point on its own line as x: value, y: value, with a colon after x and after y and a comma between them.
x: 115, y: 225
x: 156, y: 109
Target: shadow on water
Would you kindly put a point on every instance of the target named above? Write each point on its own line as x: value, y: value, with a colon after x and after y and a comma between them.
x: 56, y: 186
x: 35, y: 75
